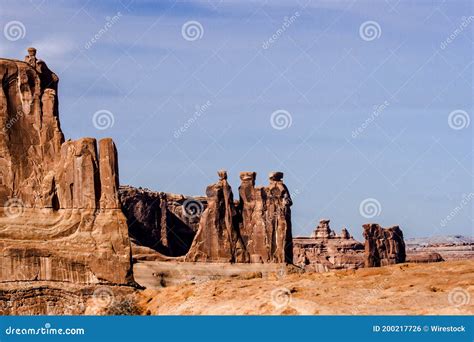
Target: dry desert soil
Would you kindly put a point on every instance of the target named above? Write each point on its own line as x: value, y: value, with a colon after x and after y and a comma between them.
x: 445, y: 288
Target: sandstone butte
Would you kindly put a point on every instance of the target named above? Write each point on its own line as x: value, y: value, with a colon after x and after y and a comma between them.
x: 67, y: 229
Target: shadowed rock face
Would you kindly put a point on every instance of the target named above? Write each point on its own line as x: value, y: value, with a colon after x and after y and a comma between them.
x: 162, y: 222
x: 383, y: 246
x: 60, y: 218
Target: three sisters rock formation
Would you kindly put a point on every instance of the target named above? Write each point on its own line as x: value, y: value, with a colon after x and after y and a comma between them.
x: 66, y: 225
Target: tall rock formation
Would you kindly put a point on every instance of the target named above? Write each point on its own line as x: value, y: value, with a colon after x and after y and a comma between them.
x: 265, y: 223
x: 383, y: 246
x: 218, y: 239
x: 255, y: 229
x: 214, y: 228
x: 60, y: 219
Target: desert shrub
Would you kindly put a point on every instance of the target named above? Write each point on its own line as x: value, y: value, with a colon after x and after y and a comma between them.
x: 125, y: 306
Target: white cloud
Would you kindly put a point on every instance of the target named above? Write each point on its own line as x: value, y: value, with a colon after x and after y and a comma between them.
x: 53, y: 47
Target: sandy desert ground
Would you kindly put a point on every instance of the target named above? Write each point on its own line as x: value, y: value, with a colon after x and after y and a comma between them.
x: 421, y: 289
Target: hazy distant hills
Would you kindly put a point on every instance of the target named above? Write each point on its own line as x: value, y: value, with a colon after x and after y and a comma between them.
x: 444, y: 239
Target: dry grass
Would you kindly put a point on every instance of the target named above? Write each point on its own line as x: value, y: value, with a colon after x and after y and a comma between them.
x: 420, y: 289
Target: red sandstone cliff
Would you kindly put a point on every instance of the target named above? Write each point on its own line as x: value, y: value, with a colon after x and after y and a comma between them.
x: 60, y: 219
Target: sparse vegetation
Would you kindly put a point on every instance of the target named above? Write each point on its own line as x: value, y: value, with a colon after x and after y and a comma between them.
x: 124, y: 306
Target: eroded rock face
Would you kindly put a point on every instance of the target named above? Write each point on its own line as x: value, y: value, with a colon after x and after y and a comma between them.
x: 323, y: 231
x: 265, y: 219
x: 163, y: 222
x: 218, y: 238
x: 256, y: 228
x: 60, y: 219
x: 50, y: 298
x: 383, y: 246
x: 324, y: 250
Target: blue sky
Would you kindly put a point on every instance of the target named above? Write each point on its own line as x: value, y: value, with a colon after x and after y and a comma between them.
x: 369, y: 109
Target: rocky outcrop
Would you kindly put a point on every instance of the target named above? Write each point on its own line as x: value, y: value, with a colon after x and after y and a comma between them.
x: 255, y: 229
x: 323, y: 231
x: 383, y: 246
x: 265, y: 223
x: 163, y: 222
x: 215, y: 228
x: 423, y: 257
x: 324, y: 250
x: 60, y: 219
x: 218, y: 238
